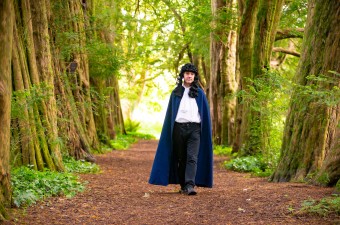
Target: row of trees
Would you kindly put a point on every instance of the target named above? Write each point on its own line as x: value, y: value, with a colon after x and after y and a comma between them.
x: 310, y: 147
x: 50, y: 105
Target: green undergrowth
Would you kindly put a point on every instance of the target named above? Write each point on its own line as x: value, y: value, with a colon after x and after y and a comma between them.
x: 324, y: 207
x: 250, y: 164
x: 79, y: 166
x: 222, y: 150
x: 123, y: 142
x: 30, y: 186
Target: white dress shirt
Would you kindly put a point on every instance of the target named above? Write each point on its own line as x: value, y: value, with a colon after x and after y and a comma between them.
x: 188, y: 110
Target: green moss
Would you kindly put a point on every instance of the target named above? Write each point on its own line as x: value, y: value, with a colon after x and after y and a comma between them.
x: 3, y: 213
x: 323, y: 179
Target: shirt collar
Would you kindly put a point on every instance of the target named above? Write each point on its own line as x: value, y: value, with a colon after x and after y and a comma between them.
x: 186, y: 88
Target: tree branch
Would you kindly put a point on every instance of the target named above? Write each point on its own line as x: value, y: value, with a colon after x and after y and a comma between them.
x: 147, y: 79
x: 137, y: 7
x: 286, y: 51
x: 289, y: 33
x: 180, y: 56
x: 180, y: 20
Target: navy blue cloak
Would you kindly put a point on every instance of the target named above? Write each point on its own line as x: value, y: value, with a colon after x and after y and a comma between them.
x: 164, y: 169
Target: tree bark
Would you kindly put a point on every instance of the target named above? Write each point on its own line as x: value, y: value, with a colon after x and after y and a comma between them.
x: 222, y: 83
x: 256, y: 38
x: 44, y: 64
x: 108, y: 119
x: 289, y: 33
x: 6, y: 37
x: 82, y: 91
x: 286, y: 51
x: 26, y: 129
x: 68, y: 91
x: 33, y: 85
x: 216, y: 50
x: 311, y: 137
x: 244, y: 52
x: 228, y: 88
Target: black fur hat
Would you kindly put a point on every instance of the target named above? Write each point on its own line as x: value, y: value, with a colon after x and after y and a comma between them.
x: 189, y: 67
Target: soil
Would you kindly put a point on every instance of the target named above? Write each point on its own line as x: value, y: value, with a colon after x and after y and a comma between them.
x: 120, y: 194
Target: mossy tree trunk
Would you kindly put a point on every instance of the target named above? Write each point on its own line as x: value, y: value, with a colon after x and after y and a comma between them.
x: 312, y: 133
x: 116, y: 108
x: 244, y: 53
x: 228, y: 85
x: 256, y: 37
x: 108, y: 117
x: 35, y: 110
x: 82, y: 89
x: 216, y: 51
x: 6, y: 40
x: 222, y: 72
x: 43, y: 57
x: 23, y: 113
x: 71, y: 84
x: 49, y: 108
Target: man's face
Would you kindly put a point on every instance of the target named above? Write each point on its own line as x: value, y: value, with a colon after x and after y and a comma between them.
x: 188, y: 78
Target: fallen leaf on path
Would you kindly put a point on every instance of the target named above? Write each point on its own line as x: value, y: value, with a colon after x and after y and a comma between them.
x: 240, y: 209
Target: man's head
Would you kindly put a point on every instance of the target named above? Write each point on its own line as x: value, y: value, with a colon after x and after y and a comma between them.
x: 189, y: 75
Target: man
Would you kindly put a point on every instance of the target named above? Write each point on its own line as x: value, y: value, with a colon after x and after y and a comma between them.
x: 184, y: 154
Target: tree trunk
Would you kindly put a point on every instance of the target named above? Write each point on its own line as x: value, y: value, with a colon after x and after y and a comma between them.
x: 228, y: 87
x: 222, y: 73
x: 216, y: 52
x: 6, y: 37
x: 108, y: 117
x: 311, y: 137
x: 34, y: 88
x: 116, y: 106
x: 71, y: 119
x: 44, y: 64
x: 82, y: 91
x: 244, y: 51
x: 329, y: 173
x: 26, y: 129
x: 73, y: 130
x: 99, y: 99
x: 254, y: 55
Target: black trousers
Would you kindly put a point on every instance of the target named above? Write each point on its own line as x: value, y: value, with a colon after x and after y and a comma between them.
x: 186, y: 142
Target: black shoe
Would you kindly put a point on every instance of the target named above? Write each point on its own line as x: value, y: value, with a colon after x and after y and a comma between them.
x: 189, y: 190
x: 182, y: 190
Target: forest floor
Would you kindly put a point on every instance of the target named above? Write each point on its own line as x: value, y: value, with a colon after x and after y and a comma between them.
x: 120, y: 194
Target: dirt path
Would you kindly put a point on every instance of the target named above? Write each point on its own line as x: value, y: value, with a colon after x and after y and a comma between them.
x: 121, y: 195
